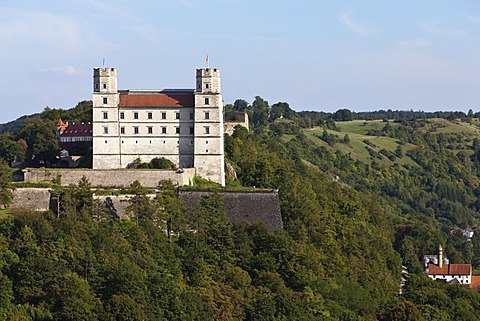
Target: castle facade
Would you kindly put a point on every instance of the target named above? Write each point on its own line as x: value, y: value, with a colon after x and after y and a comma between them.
x: 182, y: 125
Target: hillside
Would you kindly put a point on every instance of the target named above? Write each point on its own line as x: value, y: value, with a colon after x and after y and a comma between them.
x: 359, y: 199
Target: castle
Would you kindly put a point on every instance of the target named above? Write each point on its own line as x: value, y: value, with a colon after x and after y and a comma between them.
x: 182, y: 125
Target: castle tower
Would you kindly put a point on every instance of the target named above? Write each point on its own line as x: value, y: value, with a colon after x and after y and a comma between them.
x: 105, y: 132
x: 208, y: 126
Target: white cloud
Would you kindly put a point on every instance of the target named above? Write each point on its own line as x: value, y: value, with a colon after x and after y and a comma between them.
x: 360, y: 30
x: 34, y: 30
x: 415, y: 43
x: 68, y: 70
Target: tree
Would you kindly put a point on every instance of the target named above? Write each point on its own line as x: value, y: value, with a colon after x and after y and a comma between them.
x: 170, y: 209
x: 343, y: 115
x: 140, y: 207
x: 260, y: 113
x: 6, y: 195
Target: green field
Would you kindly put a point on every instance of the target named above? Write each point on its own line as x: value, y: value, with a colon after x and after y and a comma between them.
x: 357, y: 132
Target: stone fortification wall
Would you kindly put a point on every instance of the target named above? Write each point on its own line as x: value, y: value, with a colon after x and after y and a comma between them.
x: 37, y: 199
x: 111, y: 178
x: 252, y: 207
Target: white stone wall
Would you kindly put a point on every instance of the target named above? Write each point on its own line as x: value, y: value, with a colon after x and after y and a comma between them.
x: 464, y: 279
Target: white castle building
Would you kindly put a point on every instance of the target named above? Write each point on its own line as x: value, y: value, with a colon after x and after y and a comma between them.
x: 182, y: 125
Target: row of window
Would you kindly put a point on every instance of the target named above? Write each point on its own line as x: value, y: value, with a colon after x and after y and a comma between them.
x: 105, y: 99
x: 163, y: 115
x: 163, y: 130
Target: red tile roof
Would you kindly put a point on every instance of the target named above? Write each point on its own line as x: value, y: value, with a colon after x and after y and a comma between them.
x: 450, y: 269
x: 157, y: 100
x: 77, y: 130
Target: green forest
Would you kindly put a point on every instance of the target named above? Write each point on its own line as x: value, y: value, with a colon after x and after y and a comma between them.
x: 361, y: 195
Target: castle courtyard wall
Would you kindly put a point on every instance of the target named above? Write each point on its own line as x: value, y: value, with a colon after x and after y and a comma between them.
x: 111, y: 178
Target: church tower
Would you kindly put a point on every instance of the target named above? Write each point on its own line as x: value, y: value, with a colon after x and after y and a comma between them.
x: 208, y: 126
x: 106, y: 147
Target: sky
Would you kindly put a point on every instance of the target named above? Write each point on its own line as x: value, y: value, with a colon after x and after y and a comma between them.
x: 318, y: 55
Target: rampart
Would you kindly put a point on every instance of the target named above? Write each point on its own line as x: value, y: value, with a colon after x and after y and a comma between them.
x: 252, y: 207
x: 37, y: 199
x: 110, y: 178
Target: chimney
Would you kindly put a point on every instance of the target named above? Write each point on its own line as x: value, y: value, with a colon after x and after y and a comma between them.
x: 440, y: 256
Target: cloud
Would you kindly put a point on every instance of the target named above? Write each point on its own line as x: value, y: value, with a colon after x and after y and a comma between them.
x: 415, y: 43
x: 24, y: 30
x: 68, y: 70
x: 360, y: 30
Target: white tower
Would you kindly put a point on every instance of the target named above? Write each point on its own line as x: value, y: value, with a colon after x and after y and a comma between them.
x: 208, y: 126
x: 106, y: 147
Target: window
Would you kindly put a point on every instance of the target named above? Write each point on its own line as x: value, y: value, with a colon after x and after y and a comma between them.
x: 177, y: 115
x: 104, y: 86
x: 105, y: 130
x: 105, y: 115
x: 191, y: 130
x: 207, y: 115
x: 207, y: 101
x: 206, y: 129
x: 135, y: 130
x: 150, y: 129
x: 96, y: 86
x: 164, y: 115
x: 177, y: 130
x: 149, y: 115
x: 105, y: 100
x: 122, y: 115
x: 135, y: 115
x: 191, y: 115
x: 122, y: 130
x: 206, y: 86
x: 164, y: 130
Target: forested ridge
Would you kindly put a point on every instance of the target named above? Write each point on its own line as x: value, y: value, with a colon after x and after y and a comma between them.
x: 360, y: 196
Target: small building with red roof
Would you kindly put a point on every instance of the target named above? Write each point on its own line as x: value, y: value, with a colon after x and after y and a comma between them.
x: 438, y: 267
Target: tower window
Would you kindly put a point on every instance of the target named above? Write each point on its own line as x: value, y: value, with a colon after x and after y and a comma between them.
x: 135, y: 130
x: 206, y: 129
x: 207, y: 115
x: 105, y: 130
x: 191, y: 130
x: 177, y: 130
x: 105, y: 100
x: 177, y: 115
x: 164, y: 130
x: 206, y: 86
x: 135, y: 115
x: 96, y: 86
x: 149, y: 115
x: 164, y: 115
x: 207, y: 101
x: 122, y: 115
x: 105, y: 115
x: 104, y: 86
x: 191, y: 115
x: 122, y: 130
x: 150, y: 129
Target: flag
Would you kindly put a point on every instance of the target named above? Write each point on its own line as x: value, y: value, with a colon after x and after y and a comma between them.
x: 206, y: 60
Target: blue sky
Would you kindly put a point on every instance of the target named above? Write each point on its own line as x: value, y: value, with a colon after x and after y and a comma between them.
x: 315, y: 55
